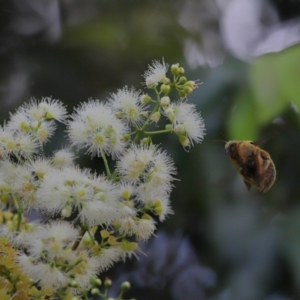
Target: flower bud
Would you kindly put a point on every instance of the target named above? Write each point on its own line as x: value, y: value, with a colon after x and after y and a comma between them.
x: 182, y: 94
x: 174, y: 69
x: 128, y: 246
x: 49, y: 116
x: 126, y: 195
x: 126, y: 137
x: 145, y: 99
x: 95, y: 281
x: 182, y: 80
x: 165, y: 101
x: 184, y: 141
x: 188, y: 90
x: 107, y: 283
x: 179, y: 129
x: 166, y: 80
x: 67, y: 211
x: 145, y: 141
x: 170, y: 113
x: 169, y: 127
x: 156, y: 117
x: 158, y: 209
x: 181, y: 71
x: 165, y: 88
x: 125, y: 286
x: 95, y: 292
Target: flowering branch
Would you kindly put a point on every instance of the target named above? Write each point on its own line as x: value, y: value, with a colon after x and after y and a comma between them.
x: 111, y: 213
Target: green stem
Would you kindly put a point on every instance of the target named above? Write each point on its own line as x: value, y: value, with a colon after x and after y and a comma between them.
x: 157, y: 132
x: 19, y: 212
x: 105, y: 163
x: 77, y: 242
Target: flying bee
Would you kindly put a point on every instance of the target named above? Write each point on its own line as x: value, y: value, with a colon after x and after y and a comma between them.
x: 254, y: 164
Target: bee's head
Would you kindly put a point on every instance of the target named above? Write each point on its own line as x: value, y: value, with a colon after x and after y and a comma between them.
x: 228, y: 145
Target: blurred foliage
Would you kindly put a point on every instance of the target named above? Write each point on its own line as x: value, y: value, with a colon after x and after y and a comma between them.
x: 227, y: 242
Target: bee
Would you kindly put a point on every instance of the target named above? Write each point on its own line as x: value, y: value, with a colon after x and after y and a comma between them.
x: 254, y: 164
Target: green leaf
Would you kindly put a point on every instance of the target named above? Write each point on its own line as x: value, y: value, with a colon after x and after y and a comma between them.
x: 288, y: 73
x: 265, y: 82
x: 242, y: 124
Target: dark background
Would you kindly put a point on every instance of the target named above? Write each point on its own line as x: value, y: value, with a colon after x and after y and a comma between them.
x: 222, y: 242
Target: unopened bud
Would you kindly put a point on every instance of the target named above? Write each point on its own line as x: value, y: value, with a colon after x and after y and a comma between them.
x: 165, y: 101
x: 156, y: 117
x: 165, y: 88
x: 174, y: 69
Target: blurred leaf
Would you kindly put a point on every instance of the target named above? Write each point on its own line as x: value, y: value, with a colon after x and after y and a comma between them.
x: 243, y: 122
x: 288, y: 72
x: 268, y: 96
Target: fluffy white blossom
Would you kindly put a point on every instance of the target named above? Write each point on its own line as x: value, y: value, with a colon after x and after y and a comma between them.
x: 53, y: 238
x: 44, y: 109
x: 155, y: 73
x: 96, y: 199
x: 127, y: 105
x: 110, y: 256
x: 63, y: 158
x: 17, y: 143
x: 186, y: 121
x: 95, y: 127
x: 149, y: 168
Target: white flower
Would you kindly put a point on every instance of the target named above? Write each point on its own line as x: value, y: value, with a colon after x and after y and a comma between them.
x: 95, y: 127
x: 95, y: 198
x: 109, y: 256
x: 155, y: 73
x: 44, y: 274
x: 127, y: 105
x: 17, y: 143
x: 44, y: 109
x: 24, y: 180
x: 60, y: 188
x: 63, y: 158
x: 83, y: 271
x: 24, y: 184
x: 52, y: 239
x: 44, y: 131
x: 145, y: 228
x: 186, y: 121
x: 150, y: 169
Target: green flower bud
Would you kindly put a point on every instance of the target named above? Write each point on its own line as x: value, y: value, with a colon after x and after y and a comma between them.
x: 128, y: 246
x: 181, y: 71
x: 188, y: 89
x: 145, y: 141
x: 174, y: 69
x: 145, y: 98
x: 126, y: 137
x: 165, y: 88
x: 126, y: 195
x: 107, y: 283
x: 156, y: 117
x: 49, y: 116
x: 166, y: 80
x: 182, y: 80
x: 184, y: 141
x: 125, y: 286
x: 95, y: 281
x: 95, y: 292
x: 182, y: 94
x: 169, y: 127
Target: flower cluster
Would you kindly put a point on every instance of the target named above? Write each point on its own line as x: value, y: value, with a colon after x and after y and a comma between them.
x: 92, y: 220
